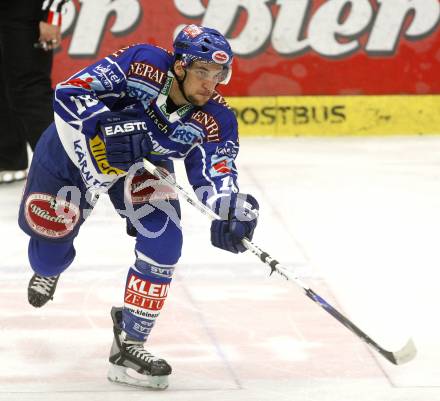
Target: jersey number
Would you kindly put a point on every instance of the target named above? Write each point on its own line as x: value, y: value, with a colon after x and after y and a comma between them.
x: 82, y: 102
x: 228, y: 185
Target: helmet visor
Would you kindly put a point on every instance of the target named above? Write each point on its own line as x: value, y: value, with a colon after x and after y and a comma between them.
x: 227, y: 74
x: 200, y: 68
x: 202, y: 72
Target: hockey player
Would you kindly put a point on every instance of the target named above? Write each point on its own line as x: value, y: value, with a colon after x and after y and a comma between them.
x: 139, y: 102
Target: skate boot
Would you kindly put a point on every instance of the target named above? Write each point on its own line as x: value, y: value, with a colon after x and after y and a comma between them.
x: 127, y: 353
x: 41, y: 289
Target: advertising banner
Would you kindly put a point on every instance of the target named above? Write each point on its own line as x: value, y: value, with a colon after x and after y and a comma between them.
x: 337, y: 115
x: 282, y: 47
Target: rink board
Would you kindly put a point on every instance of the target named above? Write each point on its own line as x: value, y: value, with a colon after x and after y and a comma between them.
x: 337, y: 115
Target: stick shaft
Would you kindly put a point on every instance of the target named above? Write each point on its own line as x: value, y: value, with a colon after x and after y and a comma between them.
x: 404, y: 355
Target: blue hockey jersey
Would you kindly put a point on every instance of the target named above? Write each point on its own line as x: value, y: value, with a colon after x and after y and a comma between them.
x: 138, y: 76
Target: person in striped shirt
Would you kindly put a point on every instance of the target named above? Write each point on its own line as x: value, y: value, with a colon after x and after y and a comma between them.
x: 29, y: 31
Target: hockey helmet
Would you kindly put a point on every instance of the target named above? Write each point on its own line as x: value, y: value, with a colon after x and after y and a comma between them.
x: 194, y: 43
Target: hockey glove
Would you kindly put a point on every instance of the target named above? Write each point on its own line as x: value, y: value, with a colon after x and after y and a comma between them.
x: 125, y: 137
x: 241, y: 222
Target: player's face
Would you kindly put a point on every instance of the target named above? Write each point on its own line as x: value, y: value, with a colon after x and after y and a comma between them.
x: 201, y: 80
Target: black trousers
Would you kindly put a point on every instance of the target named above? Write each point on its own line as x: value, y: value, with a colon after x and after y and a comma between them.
x: 25, y: 92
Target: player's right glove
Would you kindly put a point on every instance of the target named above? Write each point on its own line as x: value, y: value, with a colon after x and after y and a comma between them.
x: 125, y: 137
x: 240, y: 223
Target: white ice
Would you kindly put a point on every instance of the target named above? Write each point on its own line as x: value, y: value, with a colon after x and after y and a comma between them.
x: 358, y: 218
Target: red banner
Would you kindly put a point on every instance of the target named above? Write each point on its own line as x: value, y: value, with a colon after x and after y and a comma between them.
x: 282, y: 47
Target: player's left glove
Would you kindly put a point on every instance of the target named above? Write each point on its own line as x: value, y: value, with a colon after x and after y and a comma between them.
x: 125, y: 137
x: 240, y: 223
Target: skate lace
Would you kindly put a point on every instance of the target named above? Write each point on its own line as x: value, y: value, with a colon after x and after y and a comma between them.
x: 43, y: 285
x: 139, y: 351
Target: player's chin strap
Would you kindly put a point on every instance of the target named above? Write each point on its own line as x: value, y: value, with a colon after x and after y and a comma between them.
x: 403, y: 355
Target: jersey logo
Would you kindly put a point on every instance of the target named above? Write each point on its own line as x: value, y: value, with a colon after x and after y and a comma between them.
x: 220, y: 99
x: 154, y: 192
x: 207, y: 121
x: 147, y: 71
x: 79, y: 82
x: 125, y: 128
x: 220, y: 57
x: 98, y: 151
x: 122, y: 50
x: 192, y: 31
x: 229, y: 149
x: 220, y: 165
x: 158, y: 122
x: 50, y: 216
x: 187, y: 134
x: 158, y: 149
x: 144, y: 298
x: 107, y: 76
x: 141, y: 91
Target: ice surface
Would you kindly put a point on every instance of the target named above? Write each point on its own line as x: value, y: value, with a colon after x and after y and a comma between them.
x: 358, y: 217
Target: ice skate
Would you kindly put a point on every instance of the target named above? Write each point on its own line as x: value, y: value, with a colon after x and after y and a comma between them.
x: 127, y: 354
x: 41, y: 289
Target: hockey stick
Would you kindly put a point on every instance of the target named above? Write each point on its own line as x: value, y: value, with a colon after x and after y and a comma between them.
x: 405, y: 354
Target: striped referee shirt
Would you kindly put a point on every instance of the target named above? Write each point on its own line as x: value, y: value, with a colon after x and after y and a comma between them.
x: 31, y: 11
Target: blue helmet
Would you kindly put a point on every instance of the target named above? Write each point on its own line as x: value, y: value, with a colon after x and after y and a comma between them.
x: 206, y: 44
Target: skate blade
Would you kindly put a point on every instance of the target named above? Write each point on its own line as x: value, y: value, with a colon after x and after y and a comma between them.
x: 119, y: 374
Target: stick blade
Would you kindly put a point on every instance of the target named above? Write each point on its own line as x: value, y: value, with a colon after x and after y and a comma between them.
x: 404, y: 355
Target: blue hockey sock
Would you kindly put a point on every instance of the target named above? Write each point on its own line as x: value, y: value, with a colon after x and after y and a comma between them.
x: 145, y: 292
